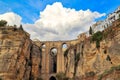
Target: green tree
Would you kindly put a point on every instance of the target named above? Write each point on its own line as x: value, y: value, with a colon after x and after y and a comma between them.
x: 21, y: 28
x: 90, y: 31
x: 98, y: 36
x: 3, y: 23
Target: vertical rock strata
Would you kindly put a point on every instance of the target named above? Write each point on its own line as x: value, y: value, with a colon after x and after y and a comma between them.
x: 15, y: 47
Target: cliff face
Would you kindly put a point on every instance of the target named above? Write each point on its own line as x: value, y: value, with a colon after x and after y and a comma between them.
x: 36, y: 62
x: 99, y: 60
x: 93, y: 62
x: 14, y: 53
x: 19, y: 57
x: 106, y: 56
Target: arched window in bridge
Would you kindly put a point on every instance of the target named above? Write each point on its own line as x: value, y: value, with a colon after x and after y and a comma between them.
x: 64, y: 46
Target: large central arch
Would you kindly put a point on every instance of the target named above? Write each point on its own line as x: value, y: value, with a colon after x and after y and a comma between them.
x: 53, y: 60
x: 52, y: 78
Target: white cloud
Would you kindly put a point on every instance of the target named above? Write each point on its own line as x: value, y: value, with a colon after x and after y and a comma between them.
x: 11, y: 18
x: 57, y: 22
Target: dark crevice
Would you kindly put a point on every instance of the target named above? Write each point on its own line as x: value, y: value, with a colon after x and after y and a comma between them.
x: 31, y: 76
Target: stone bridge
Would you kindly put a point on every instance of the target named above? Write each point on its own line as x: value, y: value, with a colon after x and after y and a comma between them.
x: 53, y: 61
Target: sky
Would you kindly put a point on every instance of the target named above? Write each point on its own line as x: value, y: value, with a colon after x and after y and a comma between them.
x: 55, y: 19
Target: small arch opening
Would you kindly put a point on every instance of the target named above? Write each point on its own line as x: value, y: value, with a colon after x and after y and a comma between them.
x: 43, y: 45
x: 64, y: 46
x: 52, y: 78
x: 53, y: 52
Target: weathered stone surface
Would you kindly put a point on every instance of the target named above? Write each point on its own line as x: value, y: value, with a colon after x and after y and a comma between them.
x: 36, y: 63
x: 14, y: 50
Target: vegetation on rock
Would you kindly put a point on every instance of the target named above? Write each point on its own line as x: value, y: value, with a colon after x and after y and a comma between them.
x: 98, y: 36
x: 117, y: 68
x: 3, y: 23
x: 89, y: 74
x: 61, y: 76
x: 90, y: 31
x: 21, y: 28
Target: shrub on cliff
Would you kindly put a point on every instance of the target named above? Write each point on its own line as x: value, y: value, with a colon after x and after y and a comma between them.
x: 39, y: 78
x: 3, y: 23
x: 60, y: 76
x: 21, y: 28
x: 89, y: 74
x: 98, y: 36
x: 90, y: 31
x: 110, y: 71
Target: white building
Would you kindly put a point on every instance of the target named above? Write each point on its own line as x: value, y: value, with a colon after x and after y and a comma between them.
x: 101, y: 25
x: 115, y: 15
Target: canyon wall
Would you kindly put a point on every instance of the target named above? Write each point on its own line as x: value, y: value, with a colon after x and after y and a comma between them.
x: 20, y: 58
x: 24, y: 59
x: 15, y: 47
x: 92, y: 63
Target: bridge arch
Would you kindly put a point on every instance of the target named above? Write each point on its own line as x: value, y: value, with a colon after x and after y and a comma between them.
x: 52, y: 78
x: 64, y: 45
x: 43, y: 45
x: 54, y: 51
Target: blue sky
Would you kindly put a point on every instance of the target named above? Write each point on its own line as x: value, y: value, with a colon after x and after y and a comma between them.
x: 55, y: 19
x: 30, y: 10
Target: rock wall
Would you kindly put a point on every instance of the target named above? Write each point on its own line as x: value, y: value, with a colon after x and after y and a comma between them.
x: 95, y: 61
x: 20, y: 58
x: 36, y: 62
x: 15, y: 47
